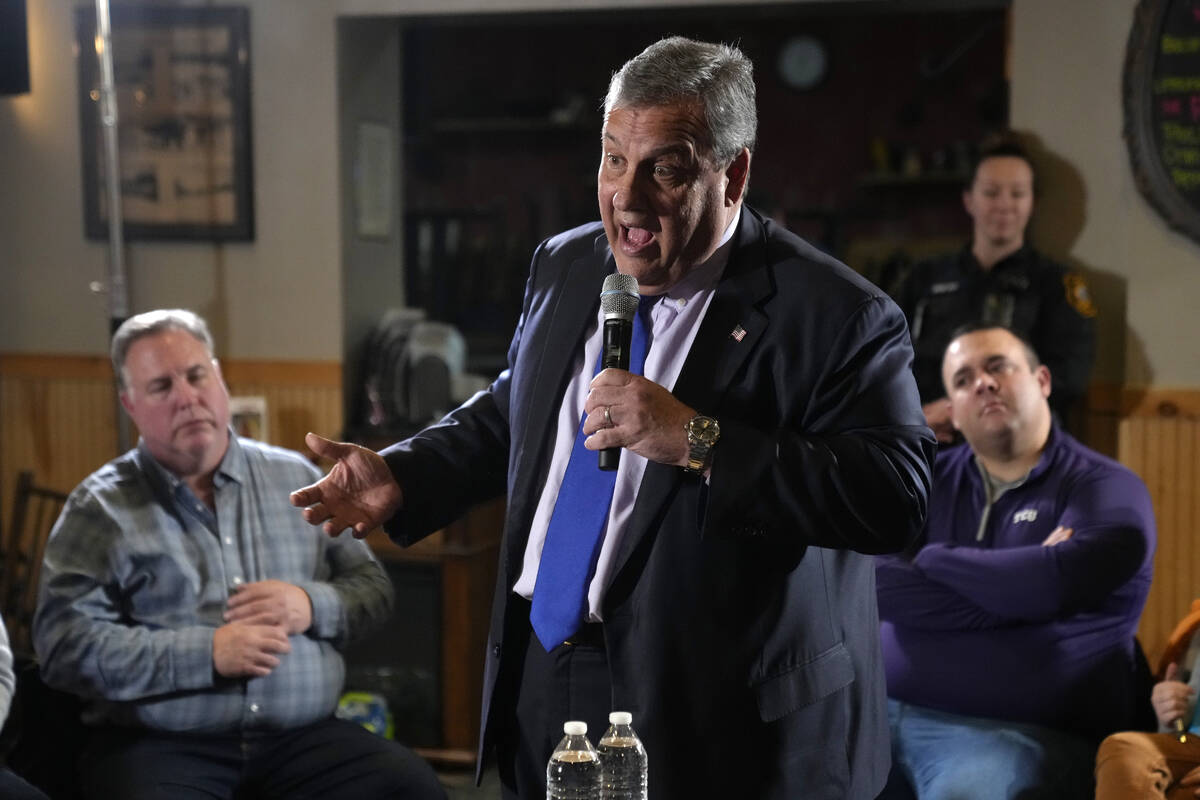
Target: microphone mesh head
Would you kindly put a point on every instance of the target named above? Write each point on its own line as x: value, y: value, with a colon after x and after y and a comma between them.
x: 619, y: 296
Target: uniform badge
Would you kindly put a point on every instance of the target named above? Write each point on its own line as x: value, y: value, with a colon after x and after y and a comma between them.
x: 1078, y: 296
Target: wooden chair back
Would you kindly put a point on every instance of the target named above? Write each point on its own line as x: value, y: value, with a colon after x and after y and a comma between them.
x: 1180, y: 638
x: 35, y: 510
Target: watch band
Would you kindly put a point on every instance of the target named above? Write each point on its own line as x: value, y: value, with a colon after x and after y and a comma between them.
x: 698, y: 459
x: 702, y: 432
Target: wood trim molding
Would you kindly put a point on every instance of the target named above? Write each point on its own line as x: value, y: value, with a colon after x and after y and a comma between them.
x: 1145, y: 401
x: 1161, y: 402
x: 54, y: 365
x: 243, y: 371
x: 283, y: 373
x: 1103, y: 398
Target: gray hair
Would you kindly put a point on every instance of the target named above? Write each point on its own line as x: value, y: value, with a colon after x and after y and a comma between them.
x: 718, y: 76
x: 151, y: 322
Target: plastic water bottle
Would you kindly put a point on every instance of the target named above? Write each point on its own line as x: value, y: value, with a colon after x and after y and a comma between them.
x: 574, y: 769
x: 622, y: 760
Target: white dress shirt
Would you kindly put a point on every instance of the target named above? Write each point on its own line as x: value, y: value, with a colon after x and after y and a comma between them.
x: 675, y: 319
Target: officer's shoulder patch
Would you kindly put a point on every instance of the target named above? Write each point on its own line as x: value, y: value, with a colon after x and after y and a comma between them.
x: 1078, y: 296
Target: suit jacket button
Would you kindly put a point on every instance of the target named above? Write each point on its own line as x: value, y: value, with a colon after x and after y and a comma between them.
x: 496, y: 650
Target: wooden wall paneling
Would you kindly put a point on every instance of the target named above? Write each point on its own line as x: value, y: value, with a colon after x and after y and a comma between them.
x: 58, y: 413
x: 1164, y: 451
x: 1141, y: 436
x: 1178, y: 455
x: 293, y: 411
x: 57, y: 418
x: 1186, y: 510
x: 301, y: 397
x: 61, y: 428
x: 1133, y: 436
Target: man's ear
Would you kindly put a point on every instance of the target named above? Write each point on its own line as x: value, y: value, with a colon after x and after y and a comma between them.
x: 216, y: 365
x: 125, y: 402
x: 1042, y: 373
x: 736, y: 176
x: 953, y: 418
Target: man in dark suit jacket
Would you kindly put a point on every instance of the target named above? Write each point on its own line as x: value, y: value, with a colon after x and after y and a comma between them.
x: 729, y: 607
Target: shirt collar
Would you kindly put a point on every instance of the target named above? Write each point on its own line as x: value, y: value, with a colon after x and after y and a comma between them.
x: 704, y: 276
x: 993, y: 487
x: 231, y: 468
x: 1043, y: 462
x: 1048, y: 450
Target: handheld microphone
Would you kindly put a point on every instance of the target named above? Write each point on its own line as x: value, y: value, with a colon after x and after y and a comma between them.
x: 619, y: 299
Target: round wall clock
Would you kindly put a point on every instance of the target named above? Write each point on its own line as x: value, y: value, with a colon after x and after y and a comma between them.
x: 802, y: 62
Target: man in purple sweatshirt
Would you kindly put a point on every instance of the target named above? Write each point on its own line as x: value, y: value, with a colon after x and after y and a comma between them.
x: 1008, y: 633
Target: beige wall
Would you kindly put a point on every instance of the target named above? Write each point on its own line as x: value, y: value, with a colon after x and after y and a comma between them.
x: 266, y: 298
x: 1066, y: 65
x: 279, y: 296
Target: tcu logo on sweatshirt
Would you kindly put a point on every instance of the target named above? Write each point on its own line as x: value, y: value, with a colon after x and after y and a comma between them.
x: 1025, y: 515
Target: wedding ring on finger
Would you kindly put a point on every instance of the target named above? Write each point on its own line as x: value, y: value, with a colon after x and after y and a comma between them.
x: 608, y: 416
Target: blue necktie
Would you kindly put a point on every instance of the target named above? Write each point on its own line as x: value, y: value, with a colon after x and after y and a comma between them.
x: 575, y: 531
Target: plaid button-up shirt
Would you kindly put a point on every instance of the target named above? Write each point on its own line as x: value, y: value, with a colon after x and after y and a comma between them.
x: 135, y: 581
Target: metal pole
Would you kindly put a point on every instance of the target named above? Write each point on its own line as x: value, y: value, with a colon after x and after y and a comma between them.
x: 118, y: 299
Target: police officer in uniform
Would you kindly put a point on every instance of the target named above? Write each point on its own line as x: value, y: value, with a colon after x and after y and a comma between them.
x: 999, y: 279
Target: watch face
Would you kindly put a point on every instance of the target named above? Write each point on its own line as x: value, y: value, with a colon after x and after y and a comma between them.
x: 704, y: 430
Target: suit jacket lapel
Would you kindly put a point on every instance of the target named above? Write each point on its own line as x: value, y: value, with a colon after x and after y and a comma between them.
x: 732, y: 327
x: 733, y: 323
x: 562, y: 340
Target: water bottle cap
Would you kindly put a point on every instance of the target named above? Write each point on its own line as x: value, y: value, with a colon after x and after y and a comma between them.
x: 620, y: 718
x: 574, y: 728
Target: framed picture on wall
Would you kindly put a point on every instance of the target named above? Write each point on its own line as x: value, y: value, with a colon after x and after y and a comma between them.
x: 182, y: 82
x: 248, y: 416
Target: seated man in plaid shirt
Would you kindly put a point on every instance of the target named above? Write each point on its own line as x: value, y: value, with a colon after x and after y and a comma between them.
x: 197, y: 615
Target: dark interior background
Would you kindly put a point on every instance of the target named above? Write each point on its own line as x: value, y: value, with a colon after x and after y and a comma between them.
x: 502, y: 123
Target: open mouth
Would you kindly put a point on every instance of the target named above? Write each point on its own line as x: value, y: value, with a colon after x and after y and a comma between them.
x: 635, y: 240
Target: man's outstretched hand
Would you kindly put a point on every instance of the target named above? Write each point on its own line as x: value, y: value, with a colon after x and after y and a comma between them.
x: 358, y: 493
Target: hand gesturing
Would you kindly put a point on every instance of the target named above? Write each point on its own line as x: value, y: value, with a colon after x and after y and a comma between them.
x: 358, y: 493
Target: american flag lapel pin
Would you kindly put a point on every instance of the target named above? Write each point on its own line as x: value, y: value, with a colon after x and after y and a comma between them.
x: 738, y: 333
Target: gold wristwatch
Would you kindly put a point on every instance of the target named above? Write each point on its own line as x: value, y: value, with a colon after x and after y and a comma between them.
x: 702, y: 433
